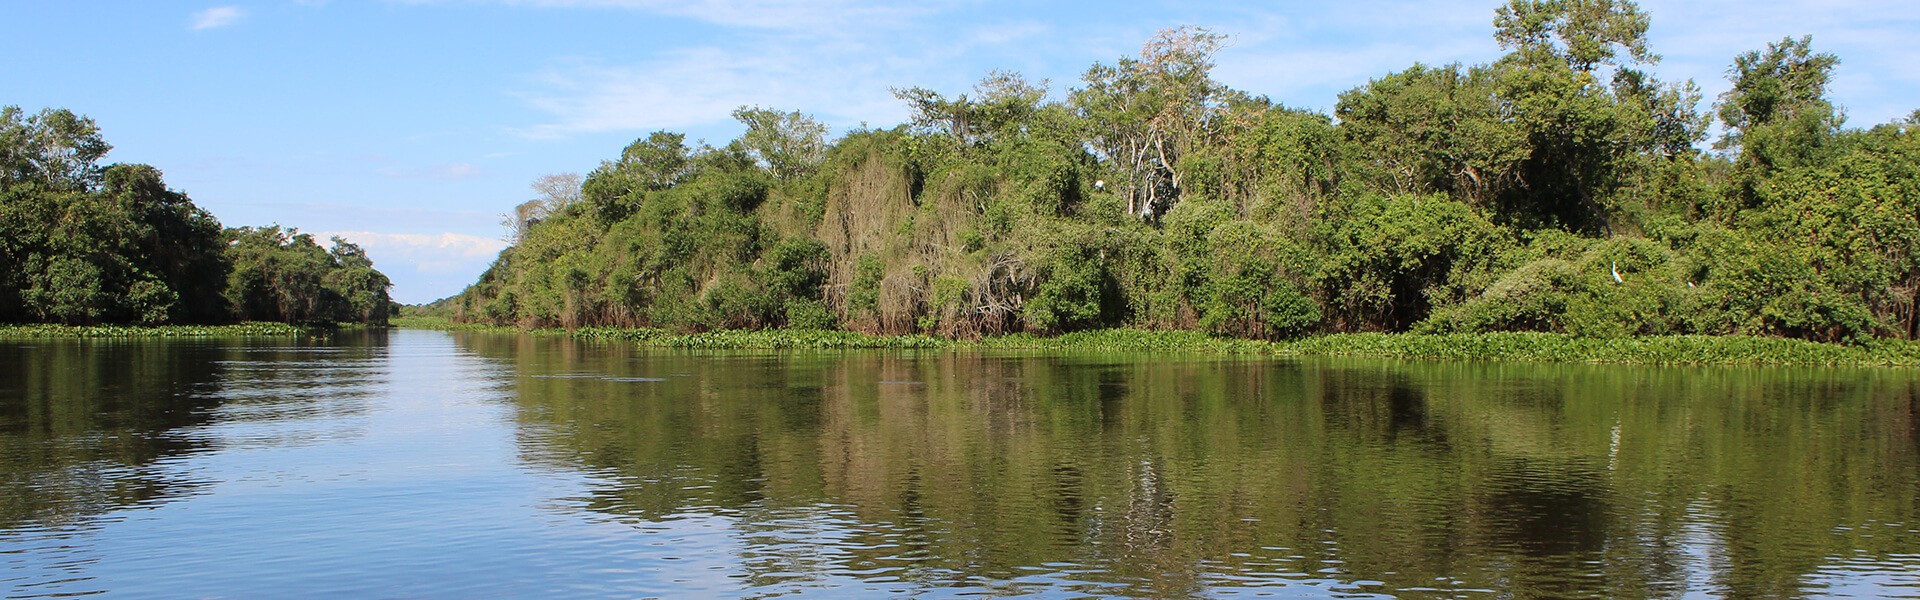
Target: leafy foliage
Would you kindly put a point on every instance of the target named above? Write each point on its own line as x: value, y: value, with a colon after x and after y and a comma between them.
x: 283, y: 275
x: 85, y: 244
x: 1561, y: 188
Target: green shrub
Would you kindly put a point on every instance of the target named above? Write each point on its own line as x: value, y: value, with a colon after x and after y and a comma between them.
x: 809, y: 314
x: 1072, y: 294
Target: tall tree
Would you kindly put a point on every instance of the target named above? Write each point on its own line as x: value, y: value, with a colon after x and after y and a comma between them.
x: 361, y: 290
x: 1435, y: 129
x: 1777, y: 113
x: 1579, y: 133
x: 178, y: 243
x: 278, y: 275
x: 1144, y: 114
x: 1002, y: 103
x: 933, y: 112
x: 55, y: 148
x: 558, y: 191
x: 656, y: 162
x: 787, y: 144
x: 1581, y: 33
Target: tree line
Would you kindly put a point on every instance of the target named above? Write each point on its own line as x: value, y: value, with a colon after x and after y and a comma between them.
x: 1560, y: 188
x: 87, y: 243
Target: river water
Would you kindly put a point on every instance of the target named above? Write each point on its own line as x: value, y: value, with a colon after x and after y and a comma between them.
x: 432, y: 464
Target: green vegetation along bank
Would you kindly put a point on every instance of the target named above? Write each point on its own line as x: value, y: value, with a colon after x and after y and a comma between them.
x: 253, y: 329
x: 1498, y: 346
x: 1562, y: 189
x: 83, y: 243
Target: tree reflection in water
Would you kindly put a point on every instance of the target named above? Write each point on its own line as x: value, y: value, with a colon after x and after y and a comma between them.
x: 1166, y: 476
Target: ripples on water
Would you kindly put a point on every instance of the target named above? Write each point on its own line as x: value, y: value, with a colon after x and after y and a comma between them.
x: 423, y: 464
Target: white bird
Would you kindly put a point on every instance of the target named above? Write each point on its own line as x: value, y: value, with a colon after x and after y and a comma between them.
x: 1099, y: 184
x: 1615, y: 267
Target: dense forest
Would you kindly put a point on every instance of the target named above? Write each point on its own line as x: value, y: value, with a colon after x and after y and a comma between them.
x: 84, y: 243
x: 1561, y: 188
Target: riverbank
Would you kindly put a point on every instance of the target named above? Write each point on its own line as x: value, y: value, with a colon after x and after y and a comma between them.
x: 1522, y: 347
x: 48, y: 330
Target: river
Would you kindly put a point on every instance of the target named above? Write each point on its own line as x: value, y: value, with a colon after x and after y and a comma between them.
x: 414, y: 463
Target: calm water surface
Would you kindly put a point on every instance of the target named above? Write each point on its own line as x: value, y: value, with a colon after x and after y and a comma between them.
x: 429, y: 464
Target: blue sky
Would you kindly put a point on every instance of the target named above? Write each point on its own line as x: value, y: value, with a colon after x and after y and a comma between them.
x: 409, y: 126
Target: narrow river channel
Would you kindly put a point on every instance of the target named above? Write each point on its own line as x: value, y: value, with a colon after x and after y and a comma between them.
x: 413, y: 463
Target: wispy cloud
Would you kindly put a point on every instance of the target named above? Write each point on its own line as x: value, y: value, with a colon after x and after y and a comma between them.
x: 696, y: 86
x: 1873, y: 38
x: 761, y: 14
x: 217, y: 17
x: 823, y: 60
x: 442, y: 172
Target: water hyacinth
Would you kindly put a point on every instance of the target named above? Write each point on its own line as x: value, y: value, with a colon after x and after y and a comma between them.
x: 253, y: 329
x: 1502, y: 346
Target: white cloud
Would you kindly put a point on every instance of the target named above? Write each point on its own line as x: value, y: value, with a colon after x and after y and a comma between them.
x: 690, y: 87
x: 217, y: 17
x: 799, y: 15
x: 830, y: 61
x: 429, y: 249
x: 1304, y: 55
x: 425, y: 266
x: 1310, y: 77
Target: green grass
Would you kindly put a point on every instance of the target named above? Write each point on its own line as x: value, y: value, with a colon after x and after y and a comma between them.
x: 1518, y: 347
x: 44, y: 330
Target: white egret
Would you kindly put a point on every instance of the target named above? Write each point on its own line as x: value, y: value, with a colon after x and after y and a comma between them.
x: 1615, y: 267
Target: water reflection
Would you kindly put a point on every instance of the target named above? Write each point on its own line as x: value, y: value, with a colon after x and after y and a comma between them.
x: 81, y: 425
x: 433, y: 464
x: 92, y: 428
x: 883, y: 473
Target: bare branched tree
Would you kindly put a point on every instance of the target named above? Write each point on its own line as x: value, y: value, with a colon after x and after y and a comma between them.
x: 557, y: 192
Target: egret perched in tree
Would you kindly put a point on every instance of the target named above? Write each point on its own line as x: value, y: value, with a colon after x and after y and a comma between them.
x: 1099, y: 184
x: 1615, y: 268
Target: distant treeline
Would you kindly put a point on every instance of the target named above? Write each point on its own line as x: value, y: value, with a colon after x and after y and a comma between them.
x: 1562, y: 188
x: 85, y: 244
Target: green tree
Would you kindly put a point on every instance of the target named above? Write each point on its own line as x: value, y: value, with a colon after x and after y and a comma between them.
x: 128, y: 251
x: 283, y: 275
x: 176, y: 242
x: 54, y: 148
x: 277, y: 275
x: 1435, y: 129
x: 1142, y: 115
x: 1584, y: 128
x: 788, y: 145
x: 1582, y: 34
x: 656, y: 162
x: 1559, y: 188
x: 362, y: 290
x: 1388, y: 261
x: 1777, y: 113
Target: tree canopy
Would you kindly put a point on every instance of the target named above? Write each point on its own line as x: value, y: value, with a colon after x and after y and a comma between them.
x: 86, y: 243
x: 1562, y: 187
